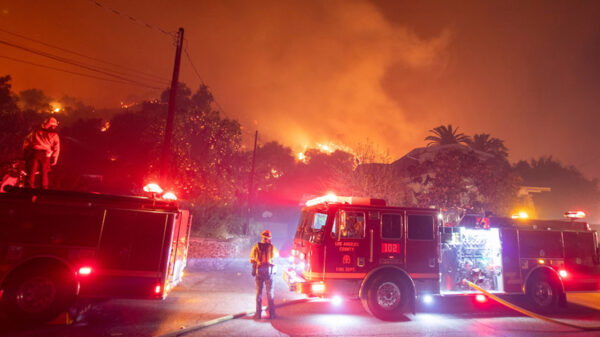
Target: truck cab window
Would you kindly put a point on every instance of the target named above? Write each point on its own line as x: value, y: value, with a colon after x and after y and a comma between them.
x: 313, y: 230
x: 349, y: 225
x: 420, y: 227
x: 391, y: 226
x: 300, y: 227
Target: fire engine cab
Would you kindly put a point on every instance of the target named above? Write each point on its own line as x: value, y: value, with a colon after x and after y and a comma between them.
x: 56, y: 246
x: 391, y: 257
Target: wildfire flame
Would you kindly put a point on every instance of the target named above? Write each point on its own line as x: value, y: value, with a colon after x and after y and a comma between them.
x: 301, y: 157
x: 105, y: 127
x: 55, y: 107
x: 327, y: 148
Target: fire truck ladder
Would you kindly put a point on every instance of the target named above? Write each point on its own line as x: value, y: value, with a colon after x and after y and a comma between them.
x: 527, y: 312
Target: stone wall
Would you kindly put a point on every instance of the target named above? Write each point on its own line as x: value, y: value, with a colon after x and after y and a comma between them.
x: 212, y: 254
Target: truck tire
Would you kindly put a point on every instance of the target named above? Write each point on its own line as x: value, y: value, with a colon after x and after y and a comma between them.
x: 387, y: 298
x: 38, y: 293
x: 543, y: 292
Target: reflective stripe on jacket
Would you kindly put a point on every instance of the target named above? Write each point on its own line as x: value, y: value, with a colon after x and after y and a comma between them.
x: 43, y: 140
x: 262, y: 254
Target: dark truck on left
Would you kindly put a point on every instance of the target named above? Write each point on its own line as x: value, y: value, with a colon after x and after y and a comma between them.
x: 58, y: 246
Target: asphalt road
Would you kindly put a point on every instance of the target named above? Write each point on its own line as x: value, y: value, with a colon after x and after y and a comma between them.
x: 204, y: 296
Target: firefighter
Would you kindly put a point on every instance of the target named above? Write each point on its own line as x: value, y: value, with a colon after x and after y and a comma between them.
x: 41, y: 148
x: 261, y: 257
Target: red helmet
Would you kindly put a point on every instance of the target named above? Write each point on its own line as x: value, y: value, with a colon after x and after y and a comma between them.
x: 266, y: 234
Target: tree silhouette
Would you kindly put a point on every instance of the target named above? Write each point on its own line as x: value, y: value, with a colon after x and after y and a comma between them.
x: 445, y: 135
x: 464, y: 180
x: 34, y: 100
x: 483, y: 142
x: 571, y: 190
x: 8, y: 100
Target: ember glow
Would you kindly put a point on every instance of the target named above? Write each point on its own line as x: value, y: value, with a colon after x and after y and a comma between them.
x: 301, y: 156
x: 325, y: 148
x: 55, y: 107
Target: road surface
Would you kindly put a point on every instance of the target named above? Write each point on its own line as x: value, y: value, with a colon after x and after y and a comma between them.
x: 204, y: 296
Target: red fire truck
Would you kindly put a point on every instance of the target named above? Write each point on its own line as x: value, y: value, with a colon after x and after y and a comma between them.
x: 392, y: 257
x: 56, y: 246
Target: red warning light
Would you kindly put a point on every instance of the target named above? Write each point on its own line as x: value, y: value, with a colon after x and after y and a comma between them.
x: 575, y: 214
x: 480, y: 298
x: 153, y: 188
x: 169, y: 196
x: 84, y: 271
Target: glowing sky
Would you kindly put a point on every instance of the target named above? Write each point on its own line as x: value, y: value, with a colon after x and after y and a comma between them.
x: 308, y: 72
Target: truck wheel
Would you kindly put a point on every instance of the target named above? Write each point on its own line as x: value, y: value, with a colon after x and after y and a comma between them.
x: 543, y: 293
x: 39, y: 294
x: 387, y: 298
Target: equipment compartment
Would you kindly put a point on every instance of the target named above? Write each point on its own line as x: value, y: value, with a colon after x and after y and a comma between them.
x: 471, y: 254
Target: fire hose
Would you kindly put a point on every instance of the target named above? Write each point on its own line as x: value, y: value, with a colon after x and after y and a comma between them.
x: 527, y: 312
x: 225, y: 318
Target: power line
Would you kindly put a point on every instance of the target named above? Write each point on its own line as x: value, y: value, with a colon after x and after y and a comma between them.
x: 85, y: 56
x: 132, y: 19
x: 189, y: 58
x: 75, y: 63
x: 80, y: 64
x: 71, y: 72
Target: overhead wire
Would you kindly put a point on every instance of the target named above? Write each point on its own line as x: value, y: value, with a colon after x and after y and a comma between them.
x: 189, y: 58
x: 131, y: 18
x: 135, y: 71
x: 171, y: 34
x: 69, y: 71
x: 110, y: 73
x: 245, y: 132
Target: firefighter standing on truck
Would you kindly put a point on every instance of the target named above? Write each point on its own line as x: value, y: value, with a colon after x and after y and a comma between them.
x: 41, y: 148
x: 261, y: 257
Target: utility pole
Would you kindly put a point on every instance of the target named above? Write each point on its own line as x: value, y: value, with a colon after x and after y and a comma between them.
x: 250, y: 187
x: 165, y: 166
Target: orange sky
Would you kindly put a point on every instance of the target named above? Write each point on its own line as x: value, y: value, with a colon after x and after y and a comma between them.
x: 307, y: 72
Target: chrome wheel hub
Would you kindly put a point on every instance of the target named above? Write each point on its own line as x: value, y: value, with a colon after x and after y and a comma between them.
x: 543, y: 294
x: 388, y: 295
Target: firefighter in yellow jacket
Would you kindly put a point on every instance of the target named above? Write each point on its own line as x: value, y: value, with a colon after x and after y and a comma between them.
x: 261, y: 257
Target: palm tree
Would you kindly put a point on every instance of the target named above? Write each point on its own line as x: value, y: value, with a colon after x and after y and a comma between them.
x: 483, y: 142
x: 444, y: 135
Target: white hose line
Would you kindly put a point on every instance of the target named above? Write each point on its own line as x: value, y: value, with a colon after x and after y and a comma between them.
x: 527, y: 312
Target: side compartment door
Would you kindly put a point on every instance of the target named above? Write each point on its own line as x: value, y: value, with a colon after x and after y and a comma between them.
x: 132, y: 255
x: 579, y: 261
x: 421, y: 246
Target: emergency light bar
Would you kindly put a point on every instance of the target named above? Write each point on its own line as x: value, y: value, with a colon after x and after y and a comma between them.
x: 334, y: 199
x: 321, y: 200
x: 520, y: 215
x: 153, y: 188
x: 574, y: 214
x: 169, y: 196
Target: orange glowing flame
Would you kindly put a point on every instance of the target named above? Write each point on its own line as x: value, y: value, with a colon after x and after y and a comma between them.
x: 105, y: 127
x: 55, y: 107
x: 326, y: 148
